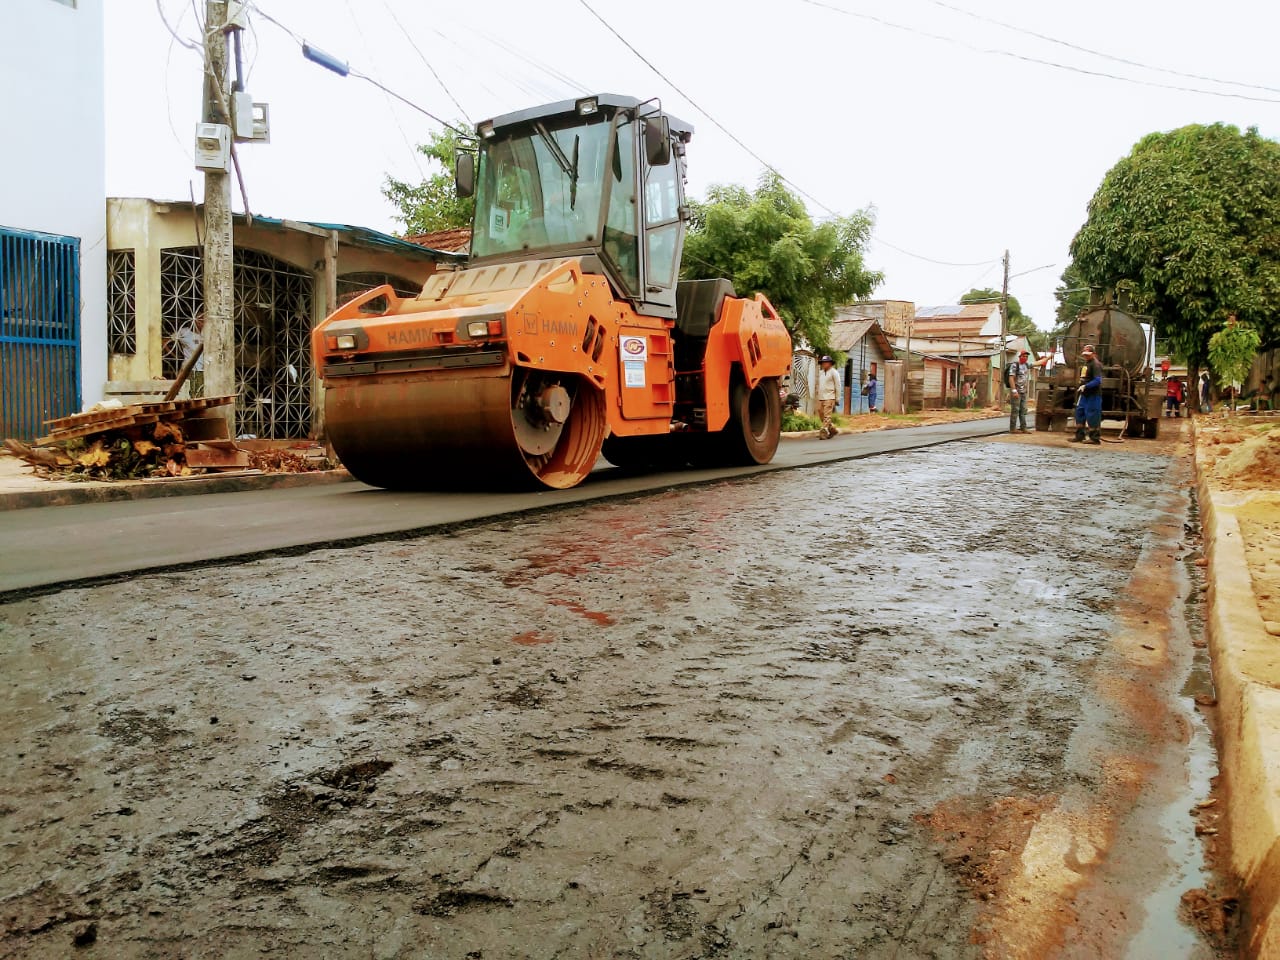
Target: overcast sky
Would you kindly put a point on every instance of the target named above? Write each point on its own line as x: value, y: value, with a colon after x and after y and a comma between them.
x: 938, y: 118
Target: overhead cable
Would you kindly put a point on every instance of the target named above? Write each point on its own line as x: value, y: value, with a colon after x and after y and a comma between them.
x: 297, y: 38
x: 427, y: 63
x: 765, y: 163
x: 1098, y: 53
x: 723, y: 129
x: 1027, y: 58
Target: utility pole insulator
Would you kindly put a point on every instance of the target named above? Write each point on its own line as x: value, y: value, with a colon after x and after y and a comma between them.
x: 1004, y: 323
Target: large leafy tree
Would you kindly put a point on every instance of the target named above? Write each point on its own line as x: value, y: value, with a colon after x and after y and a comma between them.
x: 1189, y: 224
x: 432, y: 204
x: 765, y: 242
x: 1072, y: 295
x: 1017, y: 322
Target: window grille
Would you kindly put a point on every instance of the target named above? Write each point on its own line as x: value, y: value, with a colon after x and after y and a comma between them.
x: 122, y: 322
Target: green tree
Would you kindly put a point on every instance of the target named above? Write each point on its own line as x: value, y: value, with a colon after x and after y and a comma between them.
x: 1231, y: 351
x: 764, y: 241
x: 432, y: 204
x: 1072, y: 296
x: 1187, y: 223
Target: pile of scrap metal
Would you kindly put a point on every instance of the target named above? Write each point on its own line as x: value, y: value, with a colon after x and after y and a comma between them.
x: 115, y: 441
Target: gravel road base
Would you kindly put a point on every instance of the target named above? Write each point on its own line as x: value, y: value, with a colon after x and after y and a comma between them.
x: 900, y: 707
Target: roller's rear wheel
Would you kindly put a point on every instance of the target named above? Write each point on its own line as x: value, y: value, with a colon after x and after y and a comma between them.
x: 755, y: 423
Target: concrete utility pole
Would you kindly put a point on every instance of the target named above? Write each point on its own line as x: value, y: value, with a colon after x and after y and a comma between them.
x: 1004, y: 325
x: 219, y: 307
x: 906, y: 378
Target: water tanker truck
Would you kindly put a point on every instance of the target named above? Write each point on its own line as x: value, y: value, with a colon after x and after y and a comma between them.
x: 1125, y: 348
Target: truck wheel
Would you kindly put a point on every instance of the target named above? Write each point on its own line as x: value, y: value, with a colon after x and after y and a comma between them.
x: 1151, y: 428
x: 755, y: 423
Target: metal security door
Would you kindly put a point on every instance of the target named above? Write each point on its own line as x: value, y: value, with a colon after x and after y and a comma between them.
x: 272, y: 336
x: 39, y: 330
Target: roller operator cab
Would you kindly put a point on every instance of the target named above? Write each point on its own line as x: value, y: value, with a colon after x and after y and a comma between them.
x: 567, y: 334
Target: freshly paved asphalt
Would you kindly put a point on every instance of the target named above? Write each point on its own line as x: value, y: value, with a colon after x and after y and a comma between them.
x: 52, y: 547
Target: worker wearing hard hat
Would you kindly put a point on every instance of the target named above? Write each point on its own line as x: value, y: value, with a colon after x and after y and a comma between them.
x: 1089, y: 398
x: 827, y: 393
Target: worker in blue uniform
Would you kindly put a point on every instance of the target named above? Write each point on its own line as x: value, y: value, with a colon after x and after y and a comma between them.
x: 1089, y: 398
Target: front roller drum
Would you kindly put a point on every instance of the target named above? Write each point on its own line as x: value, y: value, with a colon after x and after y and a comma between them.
x: 448, y: 431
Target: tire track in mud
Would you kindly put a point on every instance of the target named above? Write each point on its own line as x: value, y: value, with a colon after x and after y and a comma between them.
x: 745, y: 703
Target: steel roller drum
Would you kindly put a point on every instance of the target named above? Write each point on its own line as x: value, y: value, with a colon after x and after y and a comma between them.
x: 465, y: 430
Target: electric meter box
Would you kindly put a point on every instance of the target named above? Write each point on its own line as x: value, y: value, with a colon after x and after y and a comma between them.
x: 252, y: 120
x: 213, y: 147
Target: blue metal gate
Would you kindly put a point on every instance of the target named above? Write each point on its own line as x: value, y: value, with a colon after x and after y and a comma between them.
x: 39, y: 330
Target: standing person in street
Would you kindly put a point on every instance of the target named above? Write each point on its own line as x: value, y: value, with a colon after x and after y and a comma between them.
x: 828, y: 391
x: 1089, y: 398
x: 1018, y: 378
x: 1173, y: 397
x: 1205, y: 405
x: 189, y: 337
x: 870, y: 390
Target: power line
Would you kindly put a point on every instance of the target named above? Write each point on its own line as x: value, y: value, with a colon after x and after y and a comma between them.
x: 723, y: 129
x: 297, y: 38
x: 553, y: 72
x: 427, y: 63
x: 1098, y: 53
x: 996, y: 51
x: 940, y: 263
x: 973, y: 284
x: 768, y: 166
x: 390, y: 106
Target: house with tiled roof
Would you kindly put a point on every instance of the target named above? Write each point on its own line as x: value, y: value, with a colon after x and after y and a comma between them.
x: 450, y: 241
x: 952, y: 344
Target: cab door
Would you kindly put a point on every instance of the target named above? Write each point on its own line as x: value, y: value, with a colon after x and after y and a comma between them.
x: 663, y: 233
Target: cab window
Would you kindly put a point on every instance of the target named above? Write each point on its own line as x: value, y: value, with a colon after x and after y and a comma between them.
x: 662, y: 222
x: 621, y: 241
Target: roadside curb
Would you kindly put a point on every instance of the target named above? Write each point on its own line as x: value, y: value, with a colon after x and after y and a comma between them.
x: 1246, y: 667
x: 137, y: 490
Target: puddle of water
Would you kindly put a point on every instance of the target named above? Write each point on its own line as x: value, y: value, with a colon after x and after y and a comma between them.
x: 1159, y: 937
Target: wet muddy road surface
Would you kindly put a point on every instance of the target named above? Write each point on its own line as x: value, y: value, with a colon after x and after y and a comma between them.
x: 929, y: 704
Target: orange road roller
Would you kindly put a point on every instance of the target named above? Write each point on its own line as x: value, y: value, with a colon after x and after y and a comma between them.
x: 567, y: 335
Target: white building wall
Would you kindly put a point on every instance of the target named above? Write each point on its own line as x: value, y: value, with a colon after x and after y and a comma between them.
x: 53, y: 153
